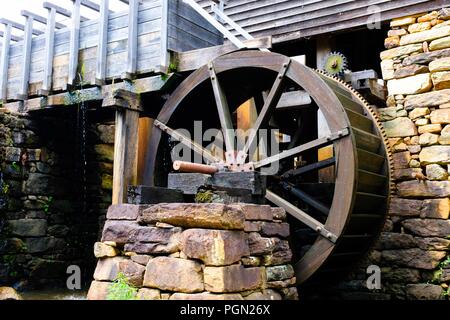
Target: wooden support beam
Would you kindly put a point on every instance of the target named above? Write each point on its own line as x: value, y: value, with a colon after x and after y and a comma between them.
x: 49, y: 52
x: 144, y: 135
x: 5, y: 63
x: 102, y: 50
x: 26, y: 58
x: 132, y: 40
x: 125, y: 154
x: 74, y: 44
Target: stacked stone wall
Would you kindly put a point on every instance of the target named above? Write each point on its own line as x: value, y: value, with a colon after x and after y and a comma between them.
x: 196, y: 252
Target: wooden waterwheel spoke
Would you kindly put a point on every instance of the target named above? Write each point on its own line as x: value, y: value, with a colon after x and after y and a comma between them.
x: 223, y: 111
x: 308, y: 168
x: 306, y: 198
x: 318, y: 143
x: 270, y: 105
x: 178, y: 136
x: 301, y: 215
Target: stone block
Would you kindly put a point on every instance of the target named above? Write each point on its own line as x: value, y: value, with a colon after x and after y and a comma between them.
x: 401, y: 51
x: 104, y: 152
x: 28, y: 227
x: 134, y: 272
x: 124, y: 212
x: 419, y: 27
x: 404, y: 21
x: 152, y: 195
x: 274, y: 229
x: 430, y: 128
x: 410, y: 70
x: 428, y: 17
x: 233, y: 278
x: 213, y: 216
x: 430, y: 99
x: 436, y: 172
x: 441, y: 80
x: 390, y: 240
x: 435, y: 244
x: 99, y: 290
x: 435, y: 154
x: 102, y: 250
x: 387, y: 69
x: 444, y: 14
x: 400, y: 127
x: 424, y: 291
x: 154, y: 248
x: 442, y: 64
x: 259, y: 245
x: 171, y: 274
x: 44, y: 244
x: 428, y: 139
x: 401, y: 160
x: 400, y: 275
x: 214, y: 247
x: 406, y: 174
x: 267, y: 295
x: 411, y: 85
x: 428, y: 227
x: 441, y: 43
x: 392, y: 42
x: 154, y: 235
x: 148, y: 294
x: 118, y: 231
x: 423, y: 36
x: 142, y: 259
x: 279, y: 214
x: 397, y: 32
x: 278, y: 273
x: 413, y: 258
x: 107, y: 269
x: 441, y: 116
x: 444, y: 139
x: 423, y: 189
x: 257, y: 212
x: 426, y: 58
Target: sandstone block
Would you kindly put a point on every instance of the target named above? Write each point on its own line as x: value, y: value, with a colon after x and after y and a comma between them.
x: 441, y: 116
x: 134, y: 272
x: 442, y: 64
x: 142, y: 259
x: 441, y: 80
x: 413, y: 258
x: 148, y: 294
x: 401, y: 51
x: 102, y: 250
x: 411, y: 85
x: 437, y: 244
x: 399, y: 22
x: 397, y: 32
x: 435, y: 209
x: 252, y: 226
x: 98, y: 290
x: 387, y: 69
x: 214, y: 216
x: 441, y: 43
x: 427, y: 57
x: 215, y: 247
x: 259, y: 245
x: 423, y: 36
x: 257, y: 212
x: 401, y: 160
x: 392, y: 42
x: 171, y: 274
x: 390, y: 240
x: 431, y: 128
x: 411, y: 70
x: 233, y: 278
x: 428, y: 227
x: 274, y: 229
x: 118, y: 231
x: 430, y: 99
x: 124, y: 212
x: 401, y: 275
x: 400, y: 127
x: 278, y: 273
x: 436, y: 172
x: 154, y: 248
x: 154, y: 235
x: 428, y: 139
x: 406, y: 174
x: 264, y: 295
x: 435, y: 154
x: 428, y: 17
x: 444, y: 139
x: 419, y: 27
x: 108, y: 269
x: 28, y: 227
x: 444, y: 14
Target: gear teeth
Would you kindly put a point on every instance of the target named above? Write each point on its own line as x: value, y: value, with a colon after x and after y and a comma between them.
x: 380, y: 128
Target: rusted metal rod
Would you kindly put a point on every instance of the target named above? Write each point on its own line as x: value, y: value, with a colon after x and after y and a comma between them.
x: 190, y: 167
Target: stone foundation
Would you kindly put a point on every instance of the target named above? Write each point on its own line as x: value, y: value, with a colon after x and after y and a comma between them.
x: 196, y: 252
x: 46, y: 222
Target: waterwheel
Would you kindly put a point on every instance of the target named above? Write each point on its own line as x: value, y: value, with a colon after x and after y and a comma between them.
x: 332, y: 223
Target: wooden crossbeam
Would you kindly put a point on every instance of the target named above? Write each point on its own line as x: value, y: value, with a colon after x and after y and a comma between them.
x: 41, y: 19
x: 62, y: 11
x: 13, y: 37
x: 19, y: 26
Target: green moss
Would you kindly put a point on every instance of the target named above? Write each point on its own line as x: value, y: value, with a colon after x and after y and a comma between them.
x: 204, y: 196
x: 121, y: 289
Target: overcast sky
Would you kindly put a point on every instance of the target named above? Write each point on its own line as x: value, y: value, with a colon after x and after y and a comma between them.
x: 11, y: 9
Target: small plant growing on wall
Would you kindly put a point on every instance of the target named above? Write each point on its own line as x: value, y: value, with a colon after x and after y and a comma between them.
x: 121, y: 289
x: 47, y: 204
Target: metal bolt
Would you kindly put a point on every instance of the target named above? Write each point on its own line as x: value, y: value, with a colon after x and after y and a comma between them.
x: 318, y: 229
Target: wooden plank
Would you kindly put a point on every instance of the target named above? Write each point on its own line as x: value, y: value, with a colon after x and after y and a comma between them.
x: 192, y: 60
x: 74, y: 43
x: 125, y: 154
x: 165, y: 56
x: 41, y: 19
x: 5, y: 63
x: 132, y: 39
x: 294, y: 100
x: 100, y: 74
x: 144, y: 134
x: 49, y: 51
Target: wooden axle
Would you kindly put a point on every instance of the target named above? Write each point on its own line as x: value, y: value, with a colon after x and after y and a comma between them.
x: 194, y: 167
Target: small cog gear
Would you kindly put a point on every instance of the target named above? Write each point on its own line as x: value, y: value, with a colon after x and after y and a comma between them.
x: 335, y: 64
